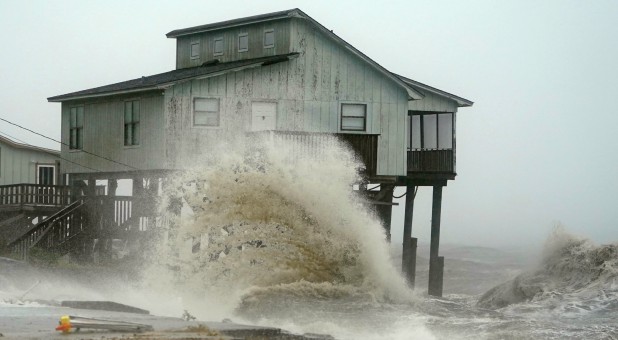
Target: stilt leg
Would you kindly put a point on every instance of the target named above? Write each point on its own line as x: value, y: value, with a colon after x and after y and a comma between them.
x: 436, y: 264
x: 408, y: 257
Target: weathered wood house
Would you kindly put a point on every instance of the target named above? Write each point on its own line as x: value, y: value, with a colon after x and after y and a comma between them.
x: 282, y: 72
x: 28, y: 164
x: 28, y: 186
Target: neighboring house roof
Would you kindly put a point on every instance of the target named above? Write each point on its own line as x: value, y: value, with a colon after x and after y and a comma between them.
x: 163, y: 80
x: 297, y: 13
x: 461, y: 102
x: 18, y: 145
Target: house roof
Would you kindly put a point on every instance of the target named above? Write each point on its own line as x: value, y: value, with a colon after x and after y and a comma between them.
x: 233, y: 22
x: 18, y: 145
x: 296, y: 13
x: 461, y: 102
x: 163, y: 80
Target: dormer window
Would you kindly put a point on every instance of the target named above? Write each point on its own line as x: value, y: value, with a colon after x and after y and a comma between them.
x: 269, y: 38
x: 218, y: 46
x: 243, y: 42
x: 195, y: 50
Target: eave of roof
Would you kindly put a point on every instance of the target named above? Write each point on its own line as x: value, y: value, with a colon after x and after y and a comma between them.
x: 461, y: 102
x: 163, y: 80
x: 28, y: 146
x: 413, y: 94
x: 232, y: 23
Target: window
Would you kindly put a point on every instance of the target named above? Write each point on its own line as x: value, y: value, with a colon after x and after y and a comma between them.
x: 131, y: 123
x: 243, y: 42
x: 206, y: 112
x: 353, y: 117
x: 269, y: 38
x: 45, y: 175
x: 218, y: 46
x: 195, y: 50
x: 431, y: 131
x: 76, y: 128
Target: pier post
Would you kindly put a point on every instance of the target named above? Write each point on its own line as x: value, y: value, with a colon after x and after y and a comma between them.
x: 436, y: 263
x: 408, y: 255
x: 385, y: 211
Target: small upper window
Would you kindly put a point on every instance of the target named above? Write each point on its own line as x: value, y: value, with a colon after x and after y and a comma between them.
x: 206, y: 112
x: 195, y: 50
x: 269, y: 38
x: 243, y: 42
x: 218, y: 46
x: 131, y: 123
x: 76, y: 128
x: 353, y: 117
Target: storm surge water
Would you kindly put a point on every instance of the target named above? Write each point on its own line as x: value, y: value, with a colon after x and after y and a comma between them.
x: 575, y: 276
x: 272, y: 235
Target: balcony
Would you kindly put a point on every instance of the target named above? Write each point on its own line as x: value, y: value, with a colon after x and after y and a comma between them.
x: 365, y: 146
x: 431, y: 164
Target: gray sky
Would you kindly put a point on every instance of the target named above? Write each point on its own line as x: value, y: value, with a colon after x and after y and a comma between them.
x: 538, y: 147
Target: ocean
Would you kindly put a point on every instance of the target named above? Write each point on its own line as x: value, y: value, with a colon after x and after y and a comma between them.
x: 270, y: 238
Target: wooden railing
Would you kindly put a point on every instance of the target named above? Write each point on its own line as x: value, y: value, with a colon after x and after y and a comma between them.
x: 365, y: 146
x: 100, y: 216
x: 431, y: 161
x: 34, y: 194
x: 53, y: 231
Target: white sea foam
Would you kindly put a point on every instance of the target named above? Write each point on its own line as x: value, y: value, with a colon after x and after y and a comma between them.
x: 273, y: 225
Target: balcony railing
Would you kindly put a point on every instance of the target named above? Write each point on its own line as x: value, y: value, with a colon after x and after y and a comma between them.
x: 365, y: 146
x: 34, y: 195
x: 431, y: 161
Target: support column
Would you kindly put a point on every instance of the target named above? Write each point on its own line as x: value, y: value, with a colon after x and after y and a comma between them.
x: 436, y: 263
x: 385, y: 210
x: 408, y: 257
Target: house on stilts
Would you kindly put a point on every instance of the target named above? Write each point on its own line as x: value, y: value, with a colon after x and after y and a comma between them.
x: 281, y: 72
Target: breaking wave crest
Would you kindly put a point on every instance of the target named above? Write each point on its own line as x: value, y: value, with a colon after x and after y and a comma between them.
x: 251, y: 226
x: 575, y: 276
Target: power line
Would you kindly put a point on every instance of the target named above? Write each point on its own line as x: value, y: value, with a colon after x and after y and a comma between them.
x: 64, y: 159
x: 57, y: 141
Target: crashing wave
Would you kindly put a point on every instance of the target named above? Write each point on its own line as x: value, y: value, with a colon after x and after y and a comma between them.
x: 575, y: 274
x: 276, y: 224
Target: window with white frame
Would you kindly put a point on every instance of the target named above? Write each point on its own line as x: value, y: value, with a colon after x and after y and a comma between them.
x: 205, y: 111
x: 76, y: 128
x: 218, y: 46
x: 269, y: 38
x: 195, y: 50
x: 131, y: 123
x: 353, y: 117
x: 243, y: 42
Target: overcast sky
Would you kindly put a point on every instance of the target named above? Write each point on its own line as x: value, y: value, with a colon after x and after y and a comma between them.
x: 538, y: 147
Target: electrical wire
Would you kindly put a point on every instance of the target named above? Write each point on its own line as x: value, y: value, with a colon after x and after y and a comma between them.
x: 57, y: 141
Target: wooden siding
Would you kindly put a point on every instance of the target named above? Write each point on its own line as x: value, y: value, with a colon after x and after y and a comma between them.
x: 230, y: 43
x: 331, y: 75
x: 433, y: 102
x: 104, y: 135
x: 308, y: 90
x: 18, y: 165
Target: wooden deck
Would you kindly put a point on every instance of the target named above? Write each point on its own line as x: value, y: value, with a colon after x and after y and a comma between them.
x: 30, y: 196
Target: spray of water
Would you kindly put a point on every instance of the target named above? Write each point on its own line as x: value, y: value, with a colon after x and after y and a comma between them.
x: 258, y: 224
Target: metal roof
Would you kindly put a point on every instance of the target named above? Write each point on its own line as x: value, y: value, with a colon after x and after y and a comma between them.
x: 163, y: 80
x: 233, y: 22
x: 18, y: 145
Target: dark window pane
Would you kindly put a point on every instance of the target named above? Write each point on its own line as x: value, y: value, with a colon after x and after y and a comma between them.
x: 416, y: 132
